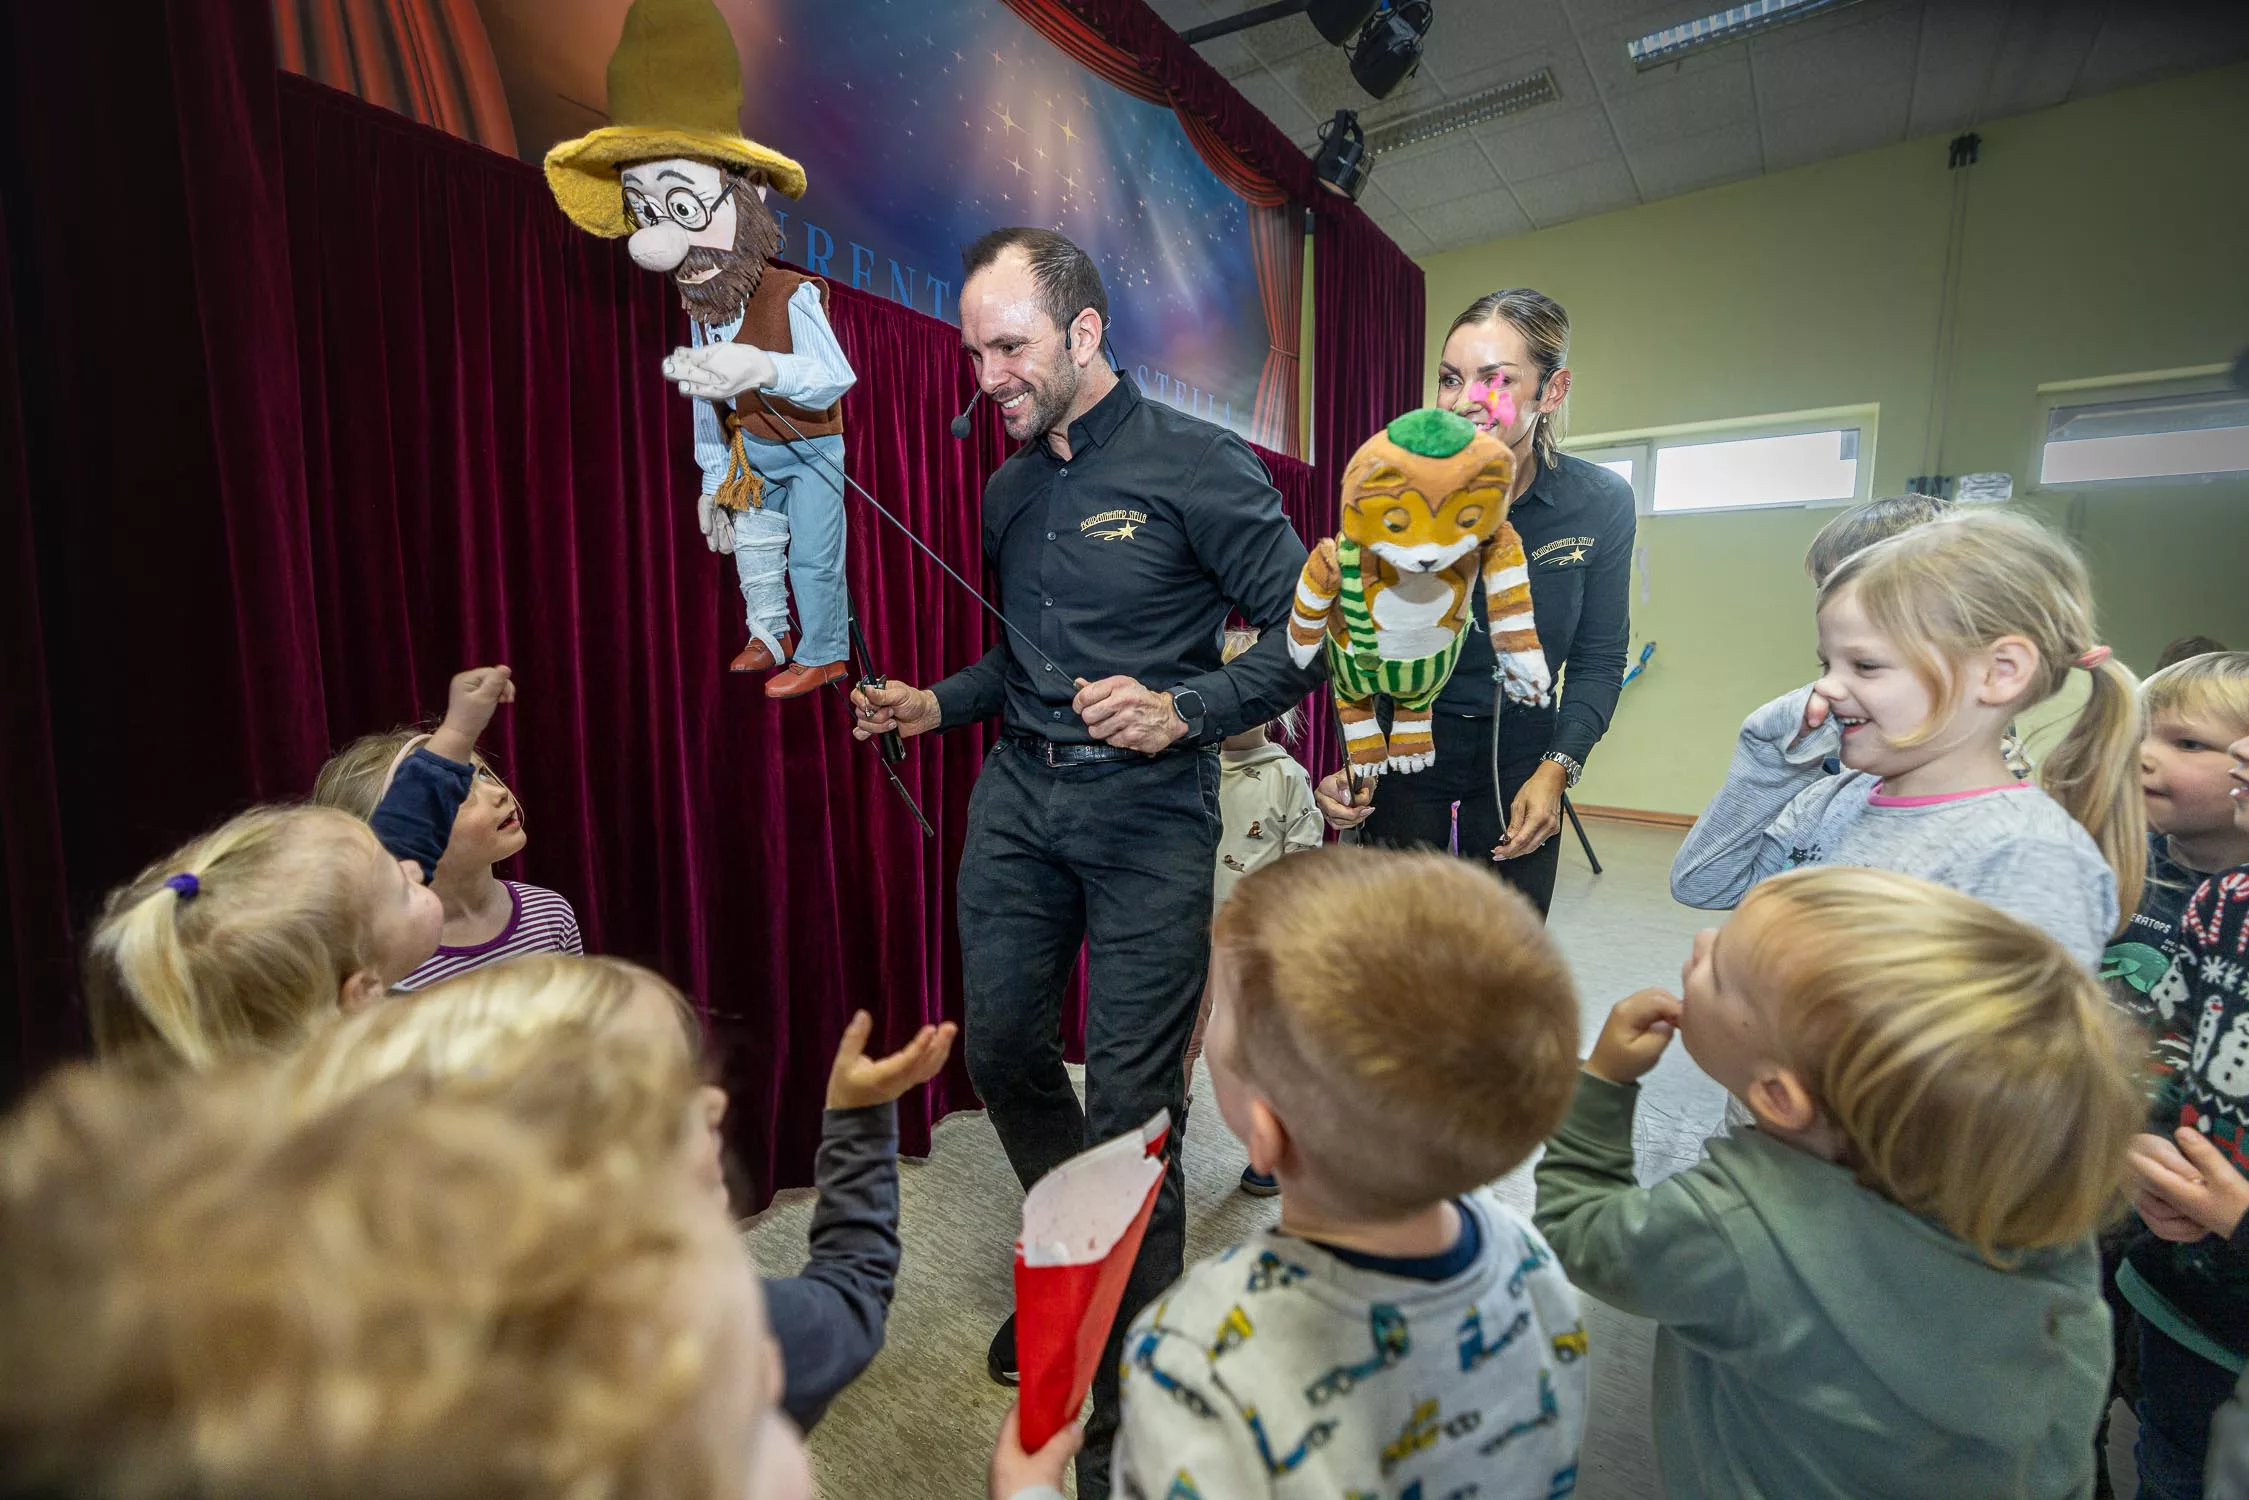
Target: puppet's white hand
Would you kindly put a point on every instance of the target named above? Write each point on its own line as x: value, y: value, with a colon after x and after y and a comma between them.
x: 717, y: 525
x: 718, y: 372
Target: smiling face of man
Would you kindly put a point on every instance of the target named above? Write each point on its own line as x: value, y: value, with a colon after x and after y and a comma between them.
x: 708, y: 230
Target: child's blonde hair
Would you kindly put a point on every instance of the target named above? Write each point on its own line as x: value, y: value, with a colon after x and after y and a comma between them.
x: 1406, y: 1013
x: 1291, y: 721
x: 1952, y: 587
x: 1866, y: 523
x: 239, y: 940
x: 2213, y: 686
x: 355, y: 777
x: 489, y: 1023
x: 1976, y: 1072
x: 427, y: 1290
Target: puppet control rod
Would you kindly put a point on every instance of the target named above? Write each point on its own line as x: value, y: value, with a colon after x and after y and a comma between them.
x: 892, y: 749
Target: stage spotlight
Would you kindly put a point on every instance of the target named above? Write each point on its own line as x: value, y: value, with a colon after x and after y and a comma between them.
x: 1389, y: 47
x: 1342, y: 165
x: 1339, y: 20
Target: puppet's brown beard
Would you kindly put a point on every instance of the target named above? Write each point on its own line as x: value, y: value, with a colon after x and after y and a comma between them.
x: 756, y: 236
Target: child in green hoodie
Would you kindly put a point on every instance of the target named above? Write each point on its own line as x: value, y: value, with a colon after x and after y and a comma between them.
x: 1889, y: 1287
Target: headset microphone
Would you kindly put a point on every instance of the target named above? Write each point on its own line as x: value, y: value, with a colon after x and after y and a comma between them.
x: 960, y: 423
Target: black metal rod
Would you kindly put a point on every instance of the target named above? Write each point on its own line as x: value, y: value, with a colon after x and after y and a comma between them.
x: 1585, y: 843
x: 1195, y: 36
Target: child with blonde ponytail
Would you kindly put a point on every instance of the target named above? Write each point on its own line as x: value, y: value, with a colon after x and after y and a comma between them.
x: 1930, y: 643
x: 252, y: 933
x: 278, y: 918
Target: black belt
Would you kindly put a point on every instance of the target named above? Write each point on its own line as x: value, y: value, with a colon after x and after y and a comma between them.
x: 1051, y: 753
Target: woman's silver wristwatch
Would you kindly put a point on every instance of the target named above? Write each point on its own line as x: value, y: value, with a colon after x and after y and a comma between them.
x: 1571, y: 769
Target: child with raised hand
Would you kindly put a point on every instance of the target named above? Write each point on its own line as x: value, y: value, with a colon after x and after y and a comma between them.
x: 1889, y: 1287
x: 1930, y: 643
x: 459, y: 1289
x: 253, y: 933
x: 2187, y: 1277
x: 1390, y: 1031
x: 500, y: 1022
x: 487, y: 920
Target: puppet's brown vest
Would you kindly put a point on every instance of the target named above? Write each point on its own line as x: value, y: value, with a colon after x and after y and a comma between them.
x: 765, y: 323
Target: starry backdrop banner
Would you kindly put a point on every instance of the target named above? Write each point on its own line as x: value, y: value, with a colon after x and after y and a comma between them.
x: 920, y: 123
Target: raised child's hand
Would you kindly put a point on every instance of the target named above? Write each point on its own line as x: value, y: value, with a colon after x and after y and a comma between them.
x: 1014, y: 1471
x: 858, y: 1080
x: 470, y: 701
x: 1634, y: 1036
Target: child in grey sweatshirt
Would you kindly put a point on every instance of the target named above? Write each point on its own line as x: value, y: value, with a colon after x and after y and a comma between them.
x: 1931, y: 643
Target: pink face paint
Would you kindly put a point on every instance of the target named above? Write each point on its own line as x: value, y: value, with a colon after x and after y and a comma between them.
x: 1489, y: 406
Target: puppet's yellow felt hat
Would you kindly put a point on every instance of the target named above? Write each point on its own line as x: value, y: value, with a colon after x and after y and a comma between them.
x: 675, y: 89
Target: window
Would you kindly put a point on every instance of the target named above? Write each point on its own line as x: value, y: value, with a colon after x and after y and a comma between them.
x: 2191, y: 435
x: 1816, y: 458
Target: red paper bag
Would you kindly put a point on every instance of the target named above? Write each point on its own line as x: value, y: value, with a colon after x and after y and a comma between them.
x: 1082, y: 1227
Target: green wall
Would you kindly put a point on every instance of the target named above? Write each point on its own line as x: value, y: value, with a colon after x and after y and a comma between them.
x: 2099, y: 238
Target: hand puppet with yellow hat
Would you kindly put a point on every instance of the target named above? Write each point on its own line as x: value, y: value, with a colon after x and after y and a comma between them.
x: 1424, y: 521
x: 763, y: 368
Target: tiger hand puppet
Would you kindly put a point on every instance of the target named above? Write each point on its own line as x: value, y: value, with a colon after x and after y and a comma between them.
x: 1424, y: 518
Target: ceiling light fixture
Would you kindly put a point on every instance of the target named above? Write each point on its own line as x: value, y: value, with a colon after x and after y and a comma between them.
x: 1342, y: 163
x: 1388, y: 51
x: 1730, y: 25
x: 1488, y: 104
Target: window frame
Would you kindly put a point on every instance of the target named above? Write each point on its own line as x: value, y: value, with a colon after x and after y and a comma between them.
x: 2117, y: 390
x: 1647, y: 445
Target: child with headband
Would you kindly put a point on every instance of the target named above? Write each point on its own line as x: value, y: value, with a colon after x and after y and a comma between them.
x: 1930, y: 643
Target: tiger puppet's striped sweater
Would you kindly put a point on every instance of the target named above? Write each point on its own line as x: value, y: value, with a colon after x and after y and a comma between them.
x: 1424, y: 516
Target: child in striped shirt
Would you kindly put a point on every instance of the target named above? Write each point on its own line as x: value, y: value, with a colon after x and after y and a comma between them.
x: 487, y: 920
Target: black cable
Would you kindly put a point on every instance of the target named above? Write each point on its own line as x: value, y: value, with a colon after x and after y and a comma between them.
x: 880, y: 510
x: 1499, y: 697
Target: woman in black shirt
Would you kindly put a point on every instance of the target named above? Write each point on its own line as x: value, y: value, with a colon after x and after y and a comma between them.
x: 1576, y: 521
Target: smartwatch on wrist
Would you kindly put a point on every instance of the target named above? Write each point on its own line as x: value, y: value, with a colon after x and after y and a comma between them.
x: 1571, y: 769
x: 1187, y: 704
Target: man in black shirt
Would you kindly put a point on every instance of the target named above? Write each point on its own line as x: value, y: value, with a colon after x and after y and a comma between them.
x: 1121, y: 536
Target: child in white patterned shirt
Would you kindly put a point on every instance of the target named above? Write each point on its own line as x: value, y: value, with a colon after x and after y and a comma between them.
x: 1391, y: 1031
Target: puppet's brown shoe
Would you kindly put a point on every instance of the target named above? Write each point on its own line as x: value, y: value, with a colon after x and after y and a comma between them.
x: 755, y: 658
x: 796, y: 679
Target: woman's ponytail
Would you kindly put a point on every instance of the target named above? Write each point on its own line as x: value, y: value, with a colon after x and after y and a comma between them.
x: 2093, y: 774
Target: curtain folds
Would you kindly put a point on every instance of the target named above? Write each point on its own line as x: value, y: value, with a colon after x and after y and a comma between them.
x: 416, y: 425
x: 430, y: 60
x: 1278, y: 244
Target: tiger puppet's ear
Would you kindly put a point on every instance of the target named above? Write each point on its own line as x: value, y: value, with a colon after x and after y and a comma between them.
x: 1428, y: 476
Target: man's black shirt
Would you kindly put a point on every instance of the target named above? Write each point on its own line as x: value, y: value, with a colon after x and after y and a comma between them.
x: 1126, y: 561
x: 1576, y: 522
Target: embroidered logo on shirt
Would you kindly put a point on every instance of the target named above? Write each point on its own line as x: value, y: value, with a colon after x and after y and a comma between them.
x: 1119, y: 525
x: 1577, y: 545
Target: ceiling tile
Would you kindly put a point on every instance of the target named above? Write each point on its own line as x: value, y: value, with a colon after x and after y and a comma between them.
x: 1659, y: 107
x: 1604, y: 47
x: 1467, y: 40
x: 1265, y: 90
x: 1277, y: 41
x: 1796, y: 137
x: 1548, y: 139
x: 1449, y: 167
x: 1592, y: 189
x: 2041, y: 56
x: 1847, y: 57
x: 1181, y: 14
x: 1410, y: 237
x: 1230, y: 55
x: 1954, y: 57
x: 1683, y: 163
x: 2162, y: 40
x: 1322, y: 80
x: 1472, y: 219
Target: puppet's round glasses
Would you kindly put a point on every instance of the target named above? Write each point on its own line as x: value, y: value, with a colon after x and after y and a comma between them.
x: 680, y: 205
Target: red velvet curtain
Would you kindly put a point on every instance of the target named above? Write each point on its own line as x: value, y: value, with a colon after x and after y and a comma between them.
x: 416, y: 423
